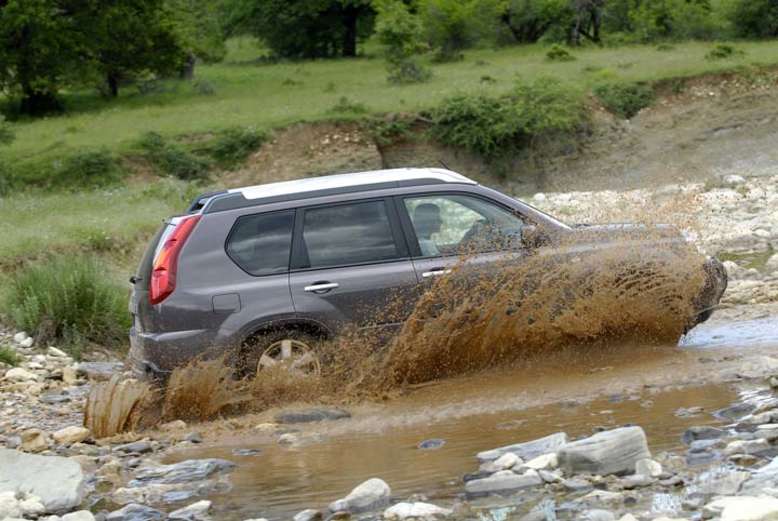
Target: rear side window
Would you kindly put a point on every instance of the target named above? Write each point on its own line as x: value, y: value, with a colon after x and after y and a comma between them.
x: 348, y: 234
x: 260, y: 244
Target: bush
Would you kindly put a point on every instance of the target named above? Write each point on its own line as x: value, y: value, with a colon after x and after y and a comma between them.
x: 172, y: 159
x: 625, y: 99
x: 531, y: 20
x: 493, y: 127
x: 723, y: 51
x: 454, y: 25
x: 89, y: 169
x: 69, y: 299
x: 232, y: 146
x: 8, y: 356
x: 6, y: 132
x: 677, y: 19
x: 557, y: 53
x: 400, y: 32
x: 754, y: 18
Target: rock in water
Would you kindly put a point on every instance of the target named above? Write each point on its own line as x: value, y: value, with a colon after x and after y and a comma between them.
x: 503, y: 482
x: 57, y: 481
x: 373, y: 493
x: 194, y: 512
x: 183, y: 472
x: 527, y: 450
x: 610, y: 452
x: 135, y: 512
x: 402, y: 511
x: 312, y: 415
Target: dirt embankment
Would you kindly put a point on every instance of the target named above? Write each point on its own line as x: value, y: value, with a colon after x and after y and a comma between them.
x: 711, y: 128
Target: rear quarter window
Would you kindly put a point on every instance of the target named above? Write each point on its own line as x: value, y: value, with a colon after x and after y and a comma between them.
x: 261, y: 244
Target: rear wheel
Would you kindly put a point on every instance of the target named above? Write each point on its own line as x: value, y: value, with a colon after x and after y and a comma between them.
x: 288, y: 350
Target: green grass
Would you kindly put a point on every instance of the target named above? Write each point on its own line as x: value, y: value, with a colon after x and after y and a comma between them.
x: 274, y: 95
x: 8, y: 356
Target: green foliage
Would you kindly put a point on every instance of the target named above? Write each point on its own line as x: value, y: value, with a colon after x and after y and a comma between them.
x: 625, y: 99
x: 231, y: 147
x: 304, y: 28
x: 530, y: 20
x: 677, y: 19
x: 199, y: 26
x: 723, y: 51
x: 69, y: 299
x: 557, y: 53
x: 400, y: 32
x: 90, y: 169
x: 454, y: 25
x: 8, y: 356
x: 6, y: 132
x: 493, y: 127
x: 173, y: 159
x: 389, y: 130
x: 754, y: 18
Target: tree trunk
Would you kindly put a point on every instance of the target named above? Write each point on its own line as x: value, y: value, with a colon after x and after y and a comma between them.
x: 112, y: 81
x: 350, y: 17
x: 187, y: 71
x: 39, y: 103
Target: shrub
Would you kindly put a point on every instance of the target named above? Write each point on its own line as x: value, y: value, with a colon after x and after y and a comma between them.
x: 531, y: 20
x: 173, y: 159
x: 678, y: 19
x: 493, y: 127
x: 390, y: 129
x: 754, y: 18
x: 723, y: 51
x: 557, y: 53
x: 400, y: 32
x: 454, y: 25
x: 70, y: 299
x: 89, y: 169
x: 6, y: 132
x: 625, y: 99
x: 232, y: 146
x: 8, y: 356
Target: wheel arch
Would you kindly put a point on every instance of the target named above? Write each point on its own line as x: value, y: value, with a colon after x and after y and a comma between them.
x: 311, y: 327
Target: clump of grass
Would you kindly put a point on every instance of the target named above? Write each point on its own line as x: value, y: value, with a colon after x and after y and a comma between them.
x: 68, y: 299
x: 204, y: 87
x: 7, y: 134
x: 557, y: 53
x: 493, y: 127
x: 232, y: 146
x: 173, y: 159
x: 8, y: 356
x: 625, y: 99
x: 346, y: 106
x: 724, y: 51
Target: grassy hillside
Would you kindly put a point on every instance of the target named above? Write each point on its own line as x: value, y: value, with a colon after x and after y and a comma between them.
x: 239, y: 92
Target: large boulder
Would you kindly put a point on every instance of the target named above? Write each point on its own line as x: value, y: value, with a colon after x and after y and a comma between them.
x: 527, y: 450
x: 373, y: 493
x: 609, y: 452
x: 402, y: 511
x: 744, y: 508
x: 764, y: 480
x: 57, y: 481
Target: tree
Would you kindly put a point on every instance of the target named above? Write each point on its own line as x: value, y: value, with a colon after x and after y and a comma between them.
x: 129, y: 37
x: 588, y: 19
x: 41, y: 48
x: 200, y: 28
x: 755, y: 18
x: 304, y: 28
x: 401, y: 32
x: 530, y: 20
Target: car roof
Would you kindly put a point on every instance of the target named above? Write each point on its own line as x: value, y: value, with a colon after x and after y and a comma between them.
x: 330, y: 185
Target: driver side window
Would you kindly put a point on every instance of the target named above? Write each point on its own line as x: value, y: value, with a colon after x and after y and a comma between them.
x: 455, y: 224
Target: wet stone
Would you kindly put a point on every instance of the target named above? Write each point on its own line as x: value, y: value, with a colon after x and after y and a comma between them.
x: 308, y: 515
x: 136, y: 447
x: 183, y: 472
x: 99, y: 371
x: 702, y: 433
x: 53, y: 399
x: 503, y: 482
x: 312, y: 415
x: 431, y: 444
x: 246, y: 452
x: 577, y: 485
x: 527, y: 450
x: 611, y: 452
x: 735, y: 412
x: 373, y: 493
x: 135, y: 512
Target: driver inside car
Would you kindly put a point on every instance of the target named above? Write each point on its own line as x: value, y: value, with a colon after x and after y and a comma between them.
x: 427, y: 221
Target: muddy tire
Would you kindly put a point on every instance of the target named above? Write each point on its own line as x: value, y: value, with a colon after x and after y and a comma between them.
x: 292, y: 350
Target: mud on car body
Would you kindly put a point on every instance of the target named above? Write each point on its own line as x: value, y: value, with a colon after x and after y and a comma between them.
x: 265, y: 271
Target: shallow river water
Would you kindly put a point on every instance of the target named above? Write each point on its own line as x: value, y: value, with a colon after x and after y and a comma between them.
x: 576, y: 392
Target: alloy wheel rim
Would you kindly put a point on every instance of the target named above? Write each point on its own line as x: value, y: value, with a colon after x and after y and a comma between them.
x: 294, y: 356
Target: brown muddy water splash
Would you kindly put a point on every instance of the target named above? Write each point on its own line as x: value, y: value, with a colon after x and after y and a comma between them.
x: 579, y: 293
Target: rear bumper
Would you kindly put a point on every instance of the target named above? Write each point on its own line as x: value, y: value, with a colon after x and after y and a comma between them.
x: 156, y: 355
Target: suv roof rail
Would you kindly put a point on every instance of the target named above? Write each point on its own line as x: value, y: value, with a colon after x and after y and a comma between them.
x: 329, y: 185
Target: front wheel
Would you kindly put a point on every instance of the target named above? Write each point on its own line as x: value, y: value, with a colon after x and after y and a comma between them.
x: 291, y: 351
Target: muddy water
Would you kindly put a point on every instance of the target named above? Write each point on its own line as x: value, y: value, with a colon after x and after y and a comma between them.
x: 633, y: 384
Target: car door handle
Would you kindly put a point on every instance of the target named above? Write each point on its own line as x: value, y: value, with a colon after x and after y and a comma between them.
x: 321, y: 287
x: 435, y: 273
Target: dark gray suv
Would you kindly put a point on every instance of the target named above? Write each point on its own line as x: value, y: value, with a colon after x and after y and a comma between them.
x: 271, y: 269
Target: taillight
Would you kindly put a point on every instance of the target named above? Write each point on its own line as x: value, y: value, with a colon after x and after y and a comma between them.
x: 163, y: 273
